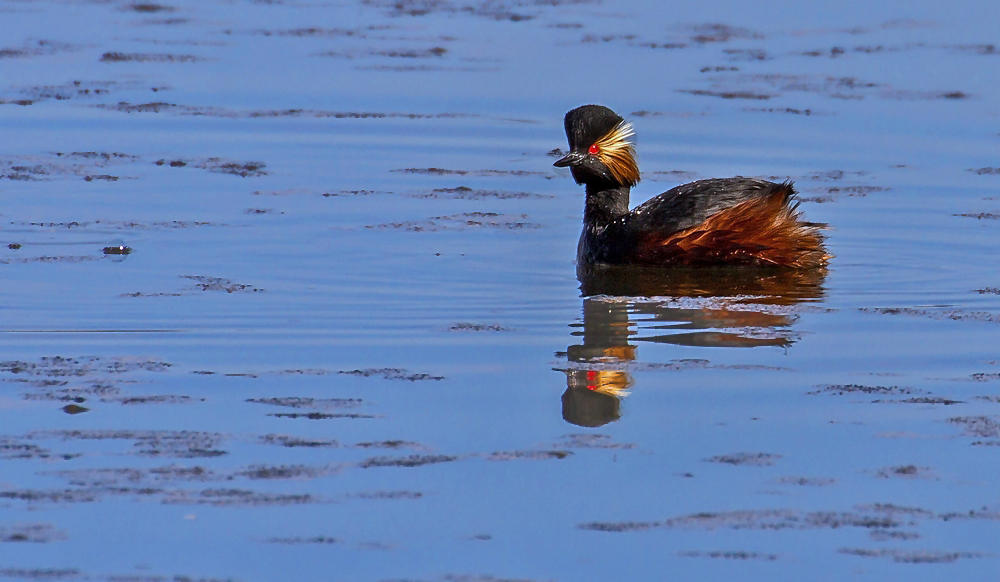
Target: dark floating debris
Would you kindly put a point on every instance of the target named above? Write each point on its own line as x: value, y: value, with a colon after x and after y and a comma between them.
x: 447, y: 172
x: 911, y: 556
x: 298, y: 541
x: 116, y: 57
x: 293, y: 442
x: 923, y: 400
x: 728, y: 94
x: 954, y: 314
x: 462, y: 221
x: 149, y: 7
x: 410, y: 461
x: 906, y: 471
x: 393, y: 444
x: 748, y: 55
x: 806, y: 112
x: 808, y: 481
x: 466, y: 193
x: 387, y: 495
x: 478, y: 327
x: 319, y: 415
x: 746, y: 459
x: 14, y: 246
x: 527, y: 455
x: 980, y: 215
x: 729, y: 555
x: 220, y: 284
x: 715, y: 32
x: 592, y: 441
x: 38, y: 533
x: 397, y: 53
x: 980, y: 426
x: 841, y: 389
x: 159, y: 106
x: 299, y: 402
x: 391, y: 374
x: 885, y: 536
x: 117, y: 250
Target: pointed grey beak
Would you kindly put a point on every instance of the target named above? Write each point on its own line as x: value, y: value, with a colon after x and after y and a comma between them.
x: 570, y: 159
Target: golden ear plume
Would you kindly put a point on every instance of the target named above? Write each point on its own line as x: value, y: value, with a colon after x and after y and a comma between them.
x: 618, y: 154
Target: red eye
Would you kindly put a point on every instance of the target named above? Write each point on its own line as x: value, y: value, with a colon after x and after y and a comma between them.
x: 594, y: 150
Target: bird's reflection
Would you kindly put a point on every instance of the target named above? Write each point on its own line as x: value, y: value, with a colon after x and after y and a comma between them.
x: 714, y: 307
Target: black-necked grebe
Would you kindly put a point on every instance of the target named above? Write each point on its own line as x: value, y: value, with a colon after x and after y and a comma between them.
x: 738, y: 221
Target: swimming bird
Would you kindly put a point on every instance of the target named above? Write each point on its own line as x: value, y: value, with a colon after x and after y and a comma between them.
x: 736, y: 221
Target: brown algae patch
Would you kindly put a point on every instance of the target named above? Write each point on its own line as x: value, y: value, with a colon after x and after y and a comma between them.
x: 728, y: 555
x: 290, y: 441
x: 220, y: 112
x: 408, y: 461
x: 155, y: 399
x: 76, y: 380
x: 379, y: 495
x: 772, y: 519
x: 391, y: 374
x: 238, y: 498
x: 117, y: 57
x: 746, y: 459
x: 491, y: 220
x: 219, y: 166
x: 842, y: 389
x: 149, y: 8
x: 951, y: 314
x: 808, y: 481
x: 295, y: 541
x: 979, y: 426
x: 592, y: 441
x: 905, y: 472
x: 912, y: 556
x: 320, y: 415
x: 36, y: 533
x: 465, y: 326
x: 981, y: 215
x: 317, y: 403
x: 527, y: 455
x: 273, y: 472
x: 446, y: 172
x: 392, y: 444
x: 149, y: 443
x: 466, y: 193
x: 202, y: 283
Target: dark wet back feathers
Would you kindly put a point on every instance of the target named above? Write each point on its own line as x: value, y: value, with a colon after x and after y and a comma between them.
x: 691, y: 204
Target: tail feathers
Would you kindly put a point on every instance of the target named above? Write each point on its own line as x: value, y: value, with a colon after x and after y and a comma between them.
x: 765, y: 230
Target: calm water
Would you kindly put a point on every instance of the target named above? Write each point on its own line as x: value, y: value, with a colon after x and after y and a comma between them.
x: 349, y: 342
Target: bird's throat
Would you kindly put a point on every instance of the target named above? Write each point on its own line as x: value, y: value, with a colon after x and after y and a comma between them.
x: 605, y: 205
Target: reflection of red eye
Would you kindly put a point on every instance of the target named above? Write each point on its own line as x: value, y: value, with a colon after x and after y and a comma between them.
x: 594, y: 150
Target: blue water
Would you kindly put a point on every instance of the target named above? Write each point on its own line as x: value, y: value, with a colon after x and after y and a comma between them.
x: 349, y: 342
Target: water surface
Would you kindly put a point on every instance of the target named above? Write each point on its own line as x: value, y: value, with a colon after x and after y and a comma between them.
x: 349, y: 341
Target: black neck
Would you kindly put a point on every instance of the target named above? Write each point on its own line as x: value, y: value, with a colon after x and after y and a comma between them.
x: 605, y: 203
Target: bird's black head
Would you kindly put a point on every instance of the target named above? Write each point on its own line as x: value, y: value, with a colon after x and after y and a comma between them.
x: 600, y: 147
